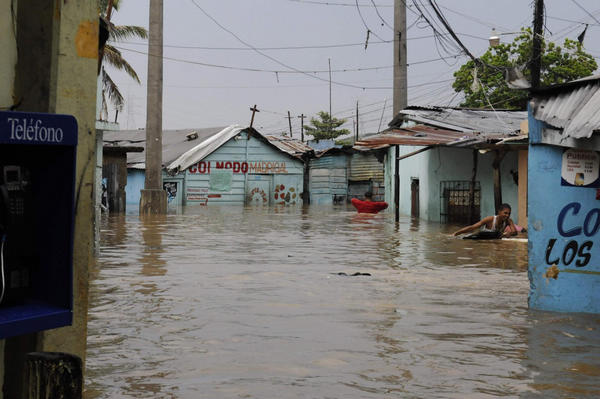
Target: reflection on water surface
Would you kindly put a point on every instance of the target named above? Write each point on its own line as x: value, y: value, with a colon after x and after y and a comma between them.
x: 225, y: 302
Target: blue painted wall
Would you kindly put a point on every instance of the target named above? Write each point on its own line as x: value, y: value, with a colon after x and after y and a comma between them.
x: 563, y: 230
x: 239, y: 170
x: 135, y: 183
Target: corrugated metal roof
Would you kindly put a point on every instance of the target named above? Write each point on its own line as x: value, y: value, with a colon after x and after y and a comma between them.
x: 484, y: 122
x: 573, y: 108
x: 365, y: 167
x: 419, y: 135
x: 291, y: 146
x: 177, y: 144
x: 174, y: 143
x: 203, y: 149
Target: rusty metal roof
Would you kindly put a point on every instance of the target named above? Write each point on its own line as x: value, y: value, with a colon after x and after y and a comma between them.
x: 484, y: 122
x: 422, y: 135
x: 572, y: 107
x: 291, y: 146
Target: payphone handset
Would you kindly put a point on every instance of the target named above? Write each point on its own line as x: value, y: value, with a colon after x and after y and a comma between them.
x: 14, y: 268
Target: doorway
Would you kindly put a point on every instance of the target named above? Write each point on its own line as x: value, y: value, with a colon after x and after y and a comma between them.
x: 414, y: 198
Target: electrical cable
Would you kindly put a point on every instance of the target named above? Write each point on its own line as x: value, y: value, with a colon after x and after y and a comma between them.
x: 276, y: 60
x: 586, y: 11
x: 365, y: 24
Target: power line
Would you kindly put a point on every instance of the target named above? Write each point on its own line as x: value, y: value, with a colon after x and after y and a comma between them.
x: 248, y: 69
x: 321, y: 3
x: 586, y: 11
x: 366, y: 26
x: 274, y: 59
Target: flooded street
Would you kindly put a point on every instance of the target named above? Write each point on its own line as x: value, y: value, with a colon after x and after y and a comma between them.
x: 225, y: 302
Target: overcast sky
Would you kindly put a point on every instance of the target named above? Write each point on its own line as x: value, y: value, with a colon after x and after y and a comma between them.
x: 212, y: 76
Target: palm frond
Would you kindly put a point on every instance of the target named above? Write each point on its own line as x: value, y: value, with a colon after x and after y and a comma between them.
x: 113, y: 57
x: 124, y: 32
x: 110, y: 88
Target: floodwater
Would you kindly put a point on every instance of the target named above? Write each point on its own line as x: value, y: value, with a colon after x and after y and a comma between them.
x: 231, y: 302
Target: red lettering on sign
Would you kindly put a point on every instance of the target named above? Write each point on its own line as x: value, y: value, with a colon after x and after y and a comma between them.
x: 219, y: 165
x: 192, y: 168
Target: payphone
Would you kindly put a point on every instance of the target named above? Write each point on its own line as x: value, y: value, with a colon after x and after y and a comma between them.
x: 37, y: 194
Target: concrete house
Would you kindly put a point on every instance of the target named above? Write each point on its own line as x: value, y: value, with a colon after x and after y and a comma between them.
x: 454, y: 165
x: 564, y: 197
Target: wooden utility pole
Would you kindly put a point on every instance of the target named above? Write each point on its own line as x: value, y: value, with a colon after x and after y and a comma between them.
x: 356, y: 120
x: 301, y: 116
x: 330, y: 114
x: 153, y: 198
x: 400, y: 77
x: 254, y: 110
x: 538, y: 32
x: 289, y: 117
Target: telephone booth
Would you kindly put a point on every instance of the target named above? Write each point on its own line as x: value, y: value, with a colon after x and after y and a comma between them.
x: 37, y: 194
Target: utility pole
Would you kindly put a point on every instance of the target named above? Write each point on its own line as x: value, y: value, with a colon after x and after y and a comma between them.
x: 538, y: 32
x: 400, y: 76
x: 301, y: 116
x: 356, y: 120
x: 153, y: 198
x: 400, y: 96
x: 289, y: 117
x: 330, y: 115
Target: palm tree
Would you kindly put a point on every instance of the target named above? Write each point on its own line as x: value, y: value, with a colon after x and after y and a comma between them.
x: 112, y: 56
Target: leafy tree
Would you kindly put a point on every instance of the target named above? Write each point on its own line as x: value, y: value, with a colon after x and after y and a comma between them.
x: 559, y: 65
x: 325, y: 127
x: 108, y: 54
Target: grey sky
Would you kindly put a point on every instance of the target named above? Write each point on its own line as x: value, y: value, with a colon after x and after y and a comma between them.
x: 204, y: 96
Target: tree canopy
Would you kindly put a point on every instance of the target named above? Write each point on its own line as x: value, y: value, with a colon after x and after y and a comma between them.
x: 112, y: 56
x: 485, y: 85
x: 325, y: 127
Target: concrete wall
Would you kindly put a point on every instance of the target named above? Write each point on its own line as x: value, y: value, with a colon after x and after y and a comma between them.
x: 8, y: 48
x: 564, y: 224
x: 56, y: 70
x: 442, y: 164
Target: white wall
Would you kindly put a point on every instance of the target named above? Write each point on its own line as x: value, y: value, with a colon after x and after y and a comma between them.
x: 441, y: 164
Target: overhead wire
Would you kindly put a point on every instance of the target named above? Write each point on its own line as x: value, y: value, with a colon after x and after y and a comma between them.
x: 274, y: 59
x: 366, y: 26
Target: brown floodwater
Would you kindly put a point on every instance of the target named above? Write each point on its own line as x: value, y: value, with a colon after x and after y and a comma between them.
x: 232, y: 302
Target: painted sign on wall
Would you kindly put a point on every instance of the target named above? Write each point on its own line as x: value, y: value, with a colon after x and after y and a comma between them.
x: 580, y: 168
x: 564, y: 230
x: 577, y: 226
x: 197, y: 194
x: 264, y: 167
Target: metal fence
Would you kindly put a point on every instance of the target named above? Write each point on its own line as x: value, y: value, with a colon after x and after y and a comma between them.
x: 459, y: 203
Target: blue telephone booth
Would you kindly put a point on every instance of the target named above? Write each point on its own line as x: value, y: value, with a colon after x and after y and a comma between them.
x: 37, y: 196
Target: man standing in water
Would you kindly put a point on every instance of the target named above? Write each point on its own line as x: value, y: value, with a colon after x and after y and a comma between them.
x: 494, y: 224
x: 368, y: 205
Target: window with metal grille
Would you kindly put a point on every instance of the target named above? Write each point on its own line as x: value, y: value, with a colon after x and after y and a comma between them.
x: 459, y: 203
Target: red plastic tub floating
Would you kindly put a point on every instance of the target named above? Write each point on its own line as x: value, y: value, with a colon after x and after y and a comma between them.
x: 368, y: 206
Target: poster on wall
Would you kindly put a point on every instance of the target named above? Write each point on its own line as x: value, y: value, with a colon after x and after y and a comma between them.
x: 580, y: 168
x: 220, y: 180
x: 171, y: 189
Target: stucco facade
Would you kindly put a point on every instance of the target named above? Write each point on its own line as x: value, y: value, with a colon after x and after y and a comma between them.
x: 55, y: 72
x: 443, y: 164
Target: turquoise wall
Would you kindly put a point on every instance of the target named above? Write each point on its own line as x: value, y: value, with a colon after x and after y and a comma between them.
x: 564, y: 224
x: 239, y: 170
x: 442, y: 164
x: 135, y: 183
